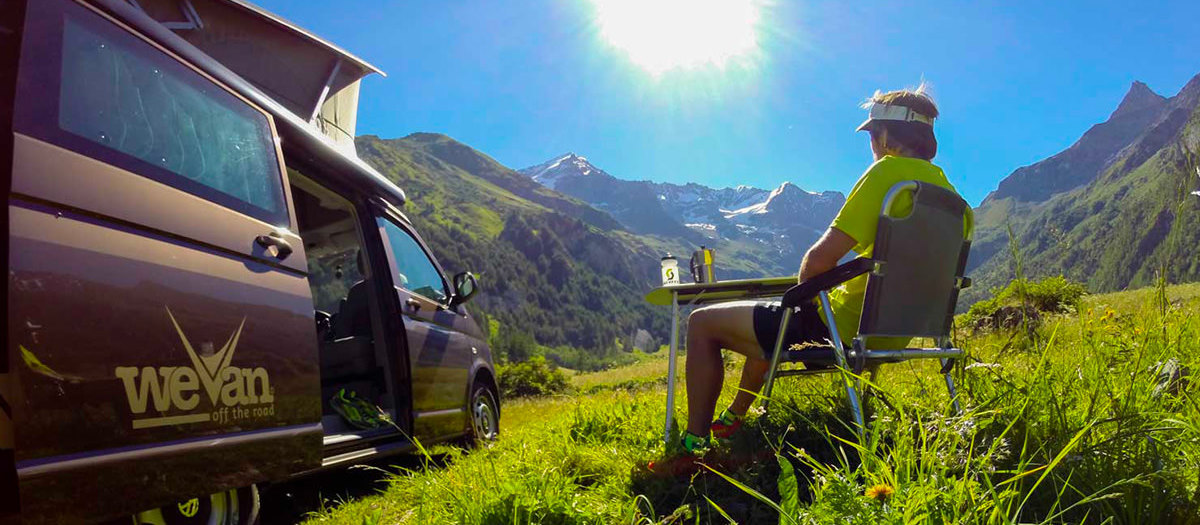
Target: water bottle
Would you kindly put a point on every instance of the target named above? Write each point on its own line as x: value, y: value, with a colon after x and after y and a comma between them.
x: 670, y: 270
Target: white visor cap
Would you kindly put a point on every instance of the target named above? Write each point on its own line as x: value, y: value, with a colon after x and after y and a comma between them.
x: 898, y: 113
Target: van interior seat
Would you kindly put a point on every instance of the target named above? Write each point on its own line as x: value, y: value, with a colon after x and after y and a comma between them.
x: 354, y: 315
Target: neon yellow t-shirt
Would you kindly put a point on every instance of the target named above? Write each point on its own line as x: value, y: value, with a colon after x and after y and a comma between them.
x: 859, y: 217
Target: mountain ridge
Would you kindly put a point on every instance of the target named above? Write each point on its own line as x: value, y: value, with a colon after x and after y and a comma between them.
x: 779, y: 223
x: 1088, y: 156
x: 1116, y: 208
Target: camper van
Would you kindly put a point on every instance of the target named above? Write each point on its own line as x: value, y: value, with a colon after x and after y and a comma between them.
x: 207, y: 290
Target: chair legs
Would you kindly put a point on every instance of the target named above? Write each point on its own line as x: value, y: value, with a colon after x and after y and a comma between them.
x: 947, y: 367
x: 851, y: 383
x: 950, y: 387
x: 770, y: 382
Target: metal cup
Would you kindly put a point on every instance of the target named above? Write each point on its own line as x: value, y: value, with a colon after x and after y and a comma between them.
x: 702, y: 266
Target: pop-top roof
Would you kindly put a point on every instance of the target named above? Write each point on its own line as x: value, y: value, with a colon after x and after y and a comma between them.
x: 287, y: 24
x: 293, y: 66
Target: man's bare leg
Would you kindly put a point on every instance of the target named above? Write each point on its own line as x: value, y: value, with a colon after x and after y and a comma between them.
x: 753, y: 375
x: 730, y: 326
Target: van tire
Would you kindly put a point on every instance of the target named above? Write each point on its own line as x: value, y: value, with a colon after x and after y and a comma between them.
x: 249, y: 505
x: 484, y: 412
x: 231, y: 507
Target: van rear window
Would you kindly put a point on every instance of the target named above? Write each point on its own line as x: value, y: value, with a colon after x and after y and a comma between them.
x: 124, y: 102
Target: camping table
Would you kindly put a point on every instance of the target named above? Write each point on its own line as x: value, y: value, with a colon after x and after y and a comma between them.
x: 703, y: 293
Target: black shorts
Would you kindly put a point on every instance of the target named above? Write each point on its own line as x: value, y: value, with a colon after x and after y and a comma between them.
x: 805, y: 326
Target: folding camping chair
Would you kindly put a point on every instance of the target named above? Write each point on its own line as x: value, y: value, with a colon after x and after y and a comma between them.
x: 916, y: 272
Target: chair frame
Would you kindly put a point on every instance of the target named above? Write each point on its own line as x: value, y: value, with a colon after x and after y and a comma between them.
x: 856, y: 358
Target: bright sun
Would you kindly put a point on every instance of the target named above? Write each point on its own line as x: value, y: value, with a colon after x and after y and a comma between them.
x: 660, y: 35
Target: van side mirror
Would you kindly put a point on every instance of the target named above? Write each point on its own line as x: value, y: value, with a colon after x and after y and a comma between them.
x: 465, y: 287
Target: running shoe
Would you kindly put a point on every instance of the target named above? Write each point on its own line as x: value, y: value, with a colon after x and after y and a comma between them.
x: 358, y: 412
x: 725, y: 425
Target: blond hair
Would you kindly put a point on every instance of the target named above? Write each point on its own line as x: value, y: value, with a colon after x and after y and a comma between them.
x: 918, y: 98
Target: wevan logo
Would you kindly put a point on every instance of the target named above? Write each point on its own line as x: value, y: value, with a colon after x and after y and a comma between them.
x: 233, y: 393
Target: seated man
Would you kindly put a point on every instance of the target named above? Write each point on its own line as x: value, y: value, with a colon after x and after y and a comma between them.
x: 903, y: 143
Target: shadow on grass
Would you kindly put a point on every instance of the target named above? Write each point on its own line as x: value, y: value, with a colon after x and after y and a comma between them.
x: 291, y: 502
x: 751, y: 457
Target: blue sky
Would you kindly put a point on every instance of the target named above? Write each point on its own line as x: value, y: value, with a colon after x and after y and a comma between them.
x: 524, y: 80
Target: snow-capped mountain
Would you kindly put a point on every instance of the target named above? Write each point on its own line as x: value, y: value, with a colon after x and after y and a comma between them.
x: 787, y: 219
x: 569, y: 164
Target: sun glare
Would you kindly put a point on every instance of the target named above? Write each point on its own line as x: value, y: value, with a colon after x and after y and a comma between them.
x: 661, y: 35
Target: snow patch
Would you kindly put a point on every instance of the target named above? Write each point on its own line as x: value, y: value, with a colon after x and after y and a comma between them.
x: 549, y: 173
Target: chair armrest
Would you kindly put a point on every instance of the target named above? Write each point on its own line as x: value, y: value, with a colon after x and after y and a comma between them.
x: 807, y: 290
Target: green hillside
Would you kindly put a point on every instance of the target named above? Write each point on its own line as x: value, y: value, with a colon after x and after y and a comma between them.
x: 1135, y: 217
x: 550, y: 266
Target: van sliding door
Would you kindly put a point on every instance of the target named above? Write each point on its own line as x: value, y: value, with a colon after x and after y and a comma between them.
x: 161, y: 334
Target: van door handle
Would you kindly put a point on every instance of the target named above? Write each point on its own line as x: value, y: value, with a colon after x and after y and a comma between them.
x: 412, y: 304
x: 275, y: 245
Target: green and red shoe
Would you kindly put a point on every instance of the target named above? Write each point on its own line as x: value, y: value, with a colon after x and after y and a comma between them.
x: 725, y: 425
x: 684, y: 460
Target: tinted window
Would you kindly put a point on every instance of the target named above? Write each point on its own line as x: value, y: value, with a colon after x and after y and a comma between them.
x: 413, y: 270
x: 109, y: 95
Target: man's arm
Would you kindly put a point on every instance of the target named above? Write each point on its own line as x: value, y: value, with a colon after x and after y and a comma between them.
x: 824, y: 255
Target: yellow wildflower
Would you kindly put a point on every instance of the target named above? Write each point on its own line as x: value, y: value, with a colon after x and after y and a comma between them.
x: 880, y: 492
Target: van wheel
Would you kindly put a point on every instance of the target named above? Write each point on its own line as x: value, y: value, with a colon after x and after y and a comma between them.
x: 485, y: 414
x: 232, y: 507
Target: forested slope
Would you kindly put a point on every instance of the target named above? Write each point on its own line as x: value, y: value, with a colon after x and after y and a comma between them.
x: 550, y: 266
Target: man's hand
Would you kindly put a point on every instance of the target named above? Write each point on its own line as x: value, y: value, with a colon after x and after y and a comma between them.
x: 824, y: 255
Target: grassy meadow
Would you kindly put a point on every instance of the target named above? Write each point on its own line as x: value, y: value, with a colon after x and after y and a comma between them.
x: 1072, y: 421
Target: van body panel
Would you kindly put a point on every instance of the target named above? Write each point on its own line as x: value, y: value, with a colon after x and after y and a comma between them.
x: 11, y: 23
x: 438, y: 356
x: 96, y: 376
x: 156, y: 349
x: 81, y: 490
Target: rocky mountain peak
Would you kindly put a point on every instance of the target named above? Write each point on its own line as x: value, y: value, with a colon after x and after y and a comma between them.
x: 1138, y: 98
x: 780, y: 221
x: 1137, y: 116
x: 566, y: 165
x: 785, y: 191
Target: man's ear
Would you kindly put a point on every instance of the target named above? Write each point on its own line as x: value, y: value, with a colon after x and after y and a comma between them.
x: 879, y: 140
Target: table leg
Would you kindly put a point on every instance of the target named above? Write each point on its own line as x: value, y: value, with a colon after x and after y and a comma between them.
x: 671, y: 366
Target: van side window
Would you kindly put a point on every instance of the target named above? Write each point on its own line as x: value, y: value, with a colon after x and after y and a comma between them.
x: 411, y: 267
x: 94, y: 88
